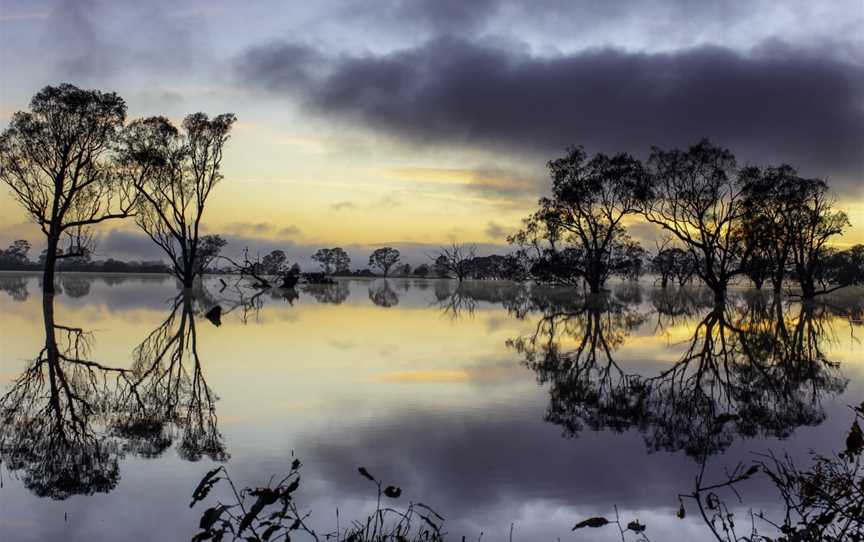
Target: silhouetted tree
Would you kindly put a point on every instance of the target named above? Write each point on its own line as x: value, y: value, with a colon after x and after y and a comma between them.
x: 274, y: 263
x: 455, y: 259
x: 384, y: 259
x: 696, y: 197
x: 15, y: 256
x: 843, y: 268
x: 175, y: 173
x: 813, y: 224
x: 57, y: 160
x: 673, y: 263
x: 770, y: 198
x: 332, y: 260
x: 578, y: 233
x: 422, y: 270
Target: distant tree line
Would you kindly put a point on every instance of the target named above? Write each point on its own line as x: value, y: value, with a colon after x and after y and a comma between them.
x: 16, y: 258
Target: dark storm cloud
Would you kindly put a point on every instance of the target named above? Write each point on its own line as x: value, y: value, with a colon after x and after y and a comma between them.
x: 773, y: 104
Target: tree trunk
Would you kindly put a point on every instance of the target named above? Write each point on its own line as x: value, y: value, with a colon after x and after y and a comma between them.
x: 188, y: 279
x: 777, y: 283
x: 50, y: 264
x: 808, y: 289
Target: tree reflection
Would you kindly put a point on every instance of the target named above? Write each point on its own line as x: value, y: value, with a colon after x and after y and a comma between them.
x: 167, y: 396
x: 382, y: 294
x: 334, y: 294
x: 51, y: 414
x: 681, y: 305
x: 588, y: 387
x: 16, y: 287
x: 75, y: 285
x: 750, y: 368
x: 67, y: 420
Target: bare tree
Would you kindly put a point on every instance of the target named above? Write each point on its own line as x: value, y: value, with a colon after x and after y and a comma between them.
x: 174, y: 174
x: 455, y: 259
x: 57, y: 159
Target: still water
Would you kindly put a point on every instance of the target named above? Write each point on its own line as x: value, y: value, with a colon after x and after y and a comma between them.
x: 495, y: 403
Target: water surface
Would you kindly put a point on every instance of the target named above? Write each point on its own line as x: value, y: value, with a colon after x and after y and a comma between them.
x: 496, y: 403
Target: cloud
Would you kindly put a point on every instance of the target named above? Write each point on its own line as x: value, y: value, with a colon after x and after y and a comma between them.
x: 491, y: 182
x: 289, y: 231
x: 388, y: 202
x: 775, y: 103
x: 496, y: 231
x: 343, y: 206
x: 247, y: 227
x: 128, y: 245
x: 257, y: 229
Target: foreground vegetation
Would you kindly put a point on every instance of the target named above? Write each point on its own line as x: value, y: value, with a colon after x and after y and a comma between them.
x: 822, y: 502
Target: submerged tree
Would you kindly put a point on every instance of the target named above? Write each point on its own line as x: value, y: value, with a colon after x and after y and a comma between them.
x: 813, y: 224
x: 672, y: 263
x: 578, y: 233
x: 175, y: 173
x: 58, y: 161
x: 455, y: 259
x: 770, y: 196
x: 384, y: 259
x: 696, y: 198
x: 332, y: 260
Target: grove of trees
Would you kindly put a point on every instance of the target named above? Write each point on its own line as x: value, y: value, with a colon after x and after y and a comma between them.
x: 72, y: 161
x: 721, y: 222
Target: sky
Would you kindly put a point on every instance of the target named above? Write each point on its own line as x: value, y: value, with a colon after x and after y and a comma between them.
x: 417, y: 123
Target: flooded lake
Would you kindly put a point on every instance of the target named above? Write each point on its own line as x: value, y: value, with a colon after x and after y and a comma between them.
x: 496, y: 404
